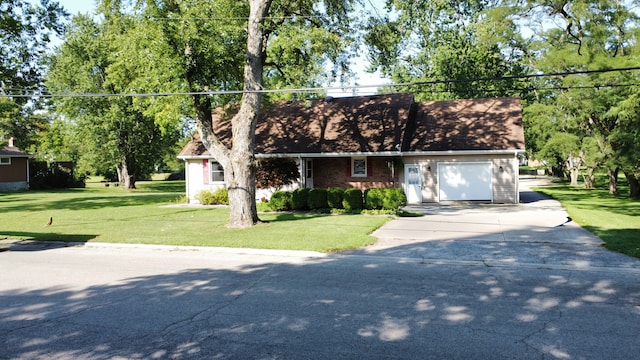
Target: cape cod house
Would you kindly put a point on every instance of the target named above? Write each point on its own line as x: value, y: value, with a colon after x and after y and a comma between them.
x: 14, y: 168
x: 460, y: 150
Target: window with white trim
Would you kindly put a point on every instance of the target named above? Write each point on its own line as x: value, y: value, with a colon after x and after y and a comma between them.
x: 359, y: 166
x: 216, y: 172
x: 5, y: 161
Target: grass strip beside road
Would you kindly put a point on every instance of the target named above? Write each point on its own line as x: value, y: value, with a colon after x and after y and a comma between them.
x: 613, y: 218
x: 106, y: 214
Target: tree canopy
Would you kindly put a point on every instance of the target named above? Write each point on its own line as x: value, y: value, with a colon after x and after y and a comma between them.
x: 25, y: 32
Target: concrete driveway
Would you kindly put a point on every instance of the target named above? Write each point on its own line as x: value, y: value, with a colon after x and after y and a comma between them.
x: 536, y: 232
x: 500, y: 282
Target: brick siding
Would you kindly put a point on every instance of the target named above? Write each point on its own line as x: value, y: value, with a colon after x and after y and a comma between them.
x: 336, y: 172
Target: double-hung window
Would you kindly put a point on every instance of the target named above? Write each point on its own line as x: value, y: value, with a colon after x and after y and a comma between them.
x: 217, y: 172
x: 359, y: 166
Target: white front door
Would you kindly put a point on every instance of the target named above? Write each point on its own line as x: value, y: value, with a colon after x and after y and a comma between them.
x: 413, y: 183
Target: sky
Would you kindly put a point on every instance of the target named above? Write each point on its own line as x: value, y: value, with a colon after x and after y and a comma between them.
x: 88, y: 6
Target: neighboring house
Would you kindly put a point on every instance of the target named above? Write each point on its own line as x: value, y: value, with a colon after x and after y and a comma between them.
x: 14, y: 168
x: 461, y: 150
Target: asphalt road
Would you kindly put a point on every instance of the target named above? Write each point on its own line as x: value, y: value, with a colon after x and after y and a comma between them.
x: 445, y: 297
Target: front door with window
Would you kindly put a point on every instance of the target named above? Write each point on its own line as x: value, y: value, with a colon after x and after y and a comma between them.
x: 413, y: 183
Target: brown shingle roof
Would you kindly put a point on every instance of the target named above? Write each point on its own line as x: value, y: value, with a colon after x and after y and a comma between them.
x: 478, y: 124
x: 378, y: 123
x: 333, y: 125
x: 12, y: 151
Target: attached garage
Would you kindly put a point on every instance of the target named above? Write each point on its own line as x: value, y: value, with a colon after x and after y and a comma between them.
x: 466, y: 150
x: 465, y: 181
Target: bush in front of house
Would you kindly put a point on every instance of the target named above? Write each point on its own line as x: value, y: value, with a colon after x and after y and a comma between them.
x: 281, y: 201
x: 300, y: 199
x: 317, y: 199
x: 393, y: 198
x: 384, y: 198
x: 352, y: 199
x: 335, y: 195
x: 276, y: 173
x: 207, y: 197
x: 373, y: 198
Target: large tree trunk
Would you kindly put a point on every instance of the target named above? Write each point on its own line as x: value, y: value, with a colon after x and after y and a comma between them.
x: 241, y: 181
x: 613, y: 180
x: 634, y: 184
x: 573, y: 165
x: 589, y: 179
x: 239, y: 161
x: 125, y: 177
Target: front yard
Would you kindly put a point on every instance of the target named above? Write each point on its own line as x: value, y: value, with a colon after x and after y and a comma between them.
x: 614, y: 219
x: 106, y: 214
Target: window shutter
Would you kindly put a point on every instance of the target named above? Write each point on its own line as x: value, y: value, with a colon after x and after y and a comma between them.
x: 369, y: 167
x: 348, y: 167
x: 205, y: 171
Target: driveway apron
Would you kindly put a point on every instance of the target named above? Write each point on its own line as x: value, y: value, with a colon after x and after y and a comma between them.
x: 536, y: 232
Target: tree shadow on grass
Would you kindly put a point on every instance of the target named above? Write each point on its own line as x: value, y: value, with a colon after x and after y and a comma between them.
x: 293, y: 217
x: 89, y: 201
x: 177, y: 186
x: 625, y: 241
x: 39, y: 241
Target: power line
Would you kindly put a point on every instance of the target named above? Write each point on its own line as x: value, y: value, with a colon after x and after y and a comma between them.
x: 340, y: 88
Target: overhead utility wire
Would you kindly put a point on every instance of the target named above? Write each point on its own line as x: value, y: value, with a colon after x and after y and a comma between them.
x: 315, y: 89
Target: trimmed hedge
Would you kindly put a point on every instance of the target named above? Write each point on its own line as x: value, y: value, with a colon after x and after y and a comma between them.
x: 281, y: 201
x: 352, y: 199
x: 337, y: 198
x: 394, y: 198
x: 373, y: 198
x: 335, y: 195
x: 385, y: 198
x: 299, y: 200
x: 317, y: 199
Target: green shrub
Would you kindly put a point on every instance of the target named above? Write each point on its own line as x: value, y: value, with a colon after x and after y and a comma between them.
x: 384, y: 198
x: 393, y: 198
x: 207, y: 197
x: 299, y: 200
x: 352, y: 199
x: 317, y: 199
x: 373, y: 198
x: 335, y: 196
x: 281, y: 201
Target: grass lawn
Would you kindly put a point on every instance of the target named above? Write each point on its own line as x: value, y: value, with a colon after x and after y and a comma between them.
x: 106, y: 214
x: 614, y: 219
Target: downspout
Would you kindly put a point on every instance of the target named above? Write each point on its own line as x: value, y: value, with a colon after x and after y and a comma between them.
x: 28, y: 175
x: 516, y: 172
x: 186, y: 177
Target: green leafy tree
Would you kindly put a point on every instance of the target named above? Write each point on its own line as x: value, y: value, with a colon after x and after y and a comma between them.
x: 437, y: 40
x: 25, y: 31
x: 228, y: 45
x: 590, y: 36
x: 121, y: 134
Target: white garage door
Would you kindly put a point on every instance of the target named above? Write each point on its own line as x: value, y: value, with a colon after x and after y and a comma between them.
x: 465, y: 181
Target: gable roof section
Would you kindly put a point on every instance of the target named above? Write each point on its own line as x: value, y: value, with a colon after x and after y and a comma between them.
x: 12, y: 151
x: 361, y: 124
x: 468, y: 125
